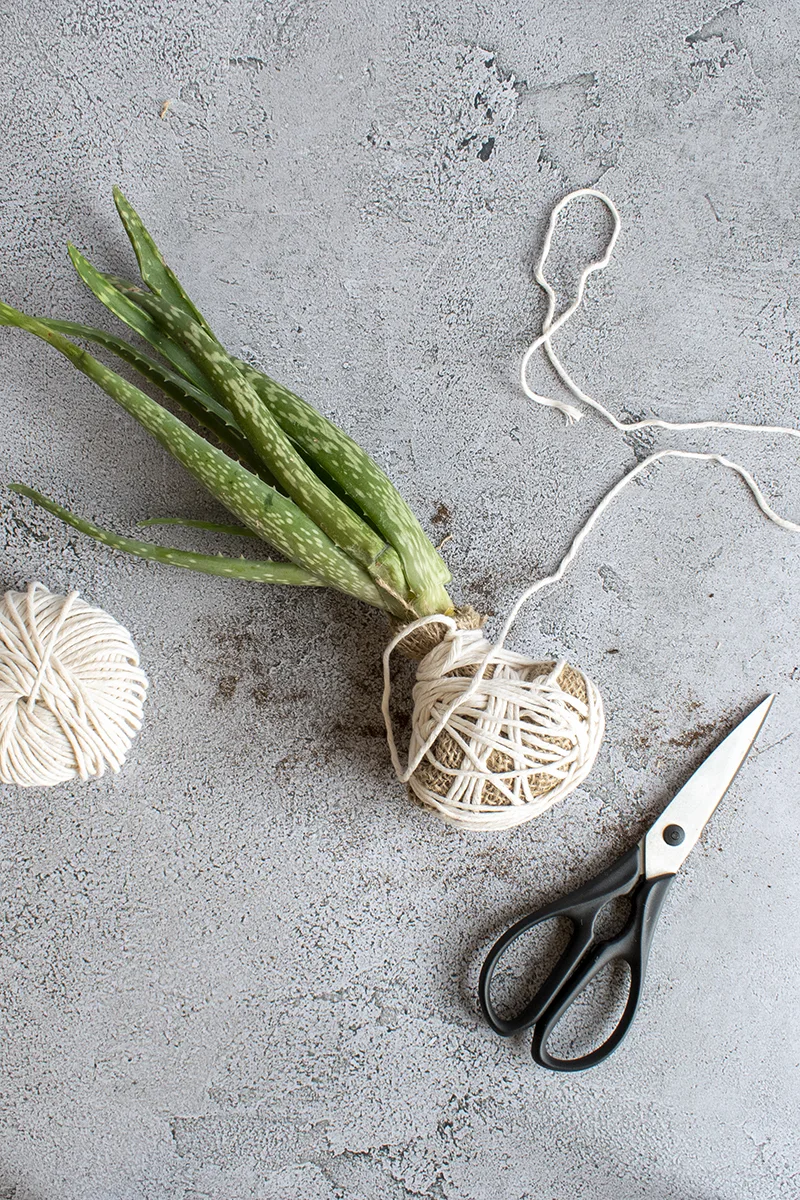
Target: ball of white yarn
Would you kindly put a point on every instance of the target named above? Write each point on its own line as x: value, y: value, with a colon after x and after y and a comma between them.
x: 517, y: 741
x: 71, y: 691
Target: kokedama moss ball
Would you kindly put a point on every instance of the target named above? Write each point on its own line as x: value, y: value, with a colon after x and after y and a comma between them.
x: 512, y: 744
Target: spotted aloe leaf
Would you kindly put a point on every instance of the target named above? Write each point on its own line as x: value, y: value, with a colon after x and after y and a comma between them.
x: 365, y: 482
x: 202, y: 406
x: 208, y: 564
x: 272, y: 516
x: 191, y: 523
x: 346, y: 465
x: 154, y: 271
x: 133, y: 316
x: 275, y: 449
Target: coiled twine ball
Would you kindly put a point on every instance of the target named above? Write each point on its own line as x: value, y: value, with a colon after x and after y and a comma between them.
x: 71, y: 690
x: 519, y: 739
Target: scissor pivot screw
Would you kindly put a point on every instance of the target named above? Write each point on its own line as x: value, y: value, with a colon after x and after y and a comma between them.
x: 674, y: 835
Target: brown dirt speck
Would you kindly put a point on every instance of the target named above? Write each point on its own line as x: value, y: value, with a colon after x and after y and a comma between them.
x: 226, y: 687
x: 694, y: 736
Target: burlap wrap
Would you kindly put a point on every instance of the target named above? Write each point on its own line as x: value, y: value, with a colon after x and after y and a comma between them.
x: 436, y: 772
x: 419, y: 642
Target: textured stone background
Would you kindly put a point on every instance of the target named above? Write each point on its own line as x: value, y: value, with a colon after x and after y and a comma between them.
x: 245, y: 969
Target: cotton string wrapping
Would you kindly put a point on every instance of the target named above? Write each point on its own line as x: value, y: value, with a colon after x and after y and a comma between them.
x: 71, y: 690
x: 497, y: 738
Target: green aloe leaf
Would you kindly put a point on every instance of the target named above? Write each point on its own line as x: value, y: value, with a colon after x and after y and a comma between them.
x: 204, y: 408
x: 121, y: 306
x: 344, y: 466
x: 353, y: 469
x: 190, y: 523
x: 275, y: 449
x: 272, y: 516
x: 154, y: 271
x: 208, y: 564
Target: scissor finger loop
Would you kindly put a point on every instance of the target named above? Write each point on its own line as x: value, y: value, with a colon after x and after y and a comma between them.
x: 581, y: 907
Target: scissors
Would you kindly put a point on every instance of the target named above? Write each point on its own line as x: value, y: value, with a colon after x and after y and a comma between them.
x: 643, y: 874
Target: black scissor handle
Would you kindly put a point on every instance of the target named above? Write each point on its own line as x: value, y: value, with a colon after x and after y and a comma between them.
x: 581, y: 907
x: 631, y: 946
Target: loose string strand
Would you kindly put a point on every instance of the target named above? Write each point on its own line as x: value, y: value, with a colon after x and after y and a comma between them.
x: 550, y: 327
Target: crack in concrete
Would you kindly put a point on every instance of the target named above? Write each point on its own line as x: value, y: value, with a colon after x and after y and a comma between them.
x: 723, y: 25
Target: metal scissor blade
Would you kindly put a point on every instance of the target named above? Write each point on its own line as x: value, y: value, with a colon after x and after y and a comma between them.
x: 694, y: 804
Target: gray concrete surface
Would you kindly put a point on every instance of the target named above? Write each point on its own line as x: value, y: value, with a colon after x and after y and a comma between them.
x: 245, y: 968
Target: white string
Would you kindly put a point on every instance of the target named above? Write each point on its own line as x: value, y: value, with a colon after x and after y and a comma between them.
x: 71, y: 691
x: 551, y: 326
x: 471, y: 696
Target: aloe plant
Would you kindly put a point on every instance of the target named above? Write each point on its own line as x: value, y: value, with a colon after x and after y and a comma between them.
x: 288, y: 475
